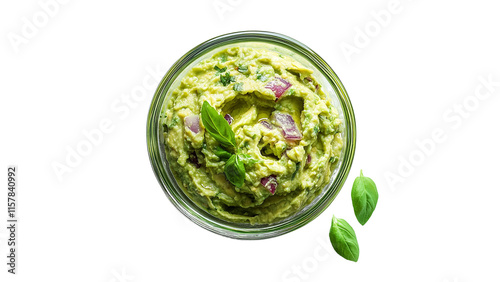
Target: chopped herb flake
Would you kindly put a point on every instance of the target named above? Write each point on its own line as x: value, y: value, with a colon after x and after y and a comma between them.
x: 174, y: 122
x: 226, y: 79
x: 238, y: 87
x: 243, y: 69
x: 261, y: 77
x: 297, y: 167
x: 220, y: 70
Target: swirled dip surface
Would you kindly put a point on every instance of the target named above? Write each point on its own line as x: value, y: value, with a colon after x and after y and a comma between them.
x: 285, y: 127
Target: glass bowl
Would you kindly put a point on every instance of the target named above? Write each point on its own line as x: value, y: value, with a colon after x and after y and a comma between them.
x: 332, y: 87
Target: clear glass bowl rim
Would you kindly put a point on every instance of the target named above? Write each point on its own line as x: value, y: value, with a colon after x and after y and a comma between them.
x: 235, y: 230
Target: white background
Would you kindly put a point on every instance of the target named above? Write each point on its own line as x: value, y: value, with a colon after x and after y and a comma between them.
x: 108, y: 220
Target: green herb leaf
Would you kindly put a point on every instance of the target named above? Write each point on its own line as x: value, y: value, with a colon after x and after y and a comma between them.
x: 217, y: 126
x: 248, y: 160
x: 364, y: 196
x: 344, y: 239
x: 297, y: 167
x: 238, y: 87
x: 226, y: 79
x: 261, y: 77
x: 219, y: 70
x: 235, y: 171
x: 316, y: 130
x: 173, y: 123
x: 243, y: 69
x: 221, y: 153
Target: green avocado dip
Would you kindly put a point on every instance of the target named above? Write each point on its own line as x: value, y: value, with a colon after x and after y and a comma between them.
x: 287, y: 135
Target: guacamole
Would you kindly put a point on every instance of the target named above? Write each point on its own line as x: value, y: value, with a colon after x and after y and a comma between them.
x: 286, y: 129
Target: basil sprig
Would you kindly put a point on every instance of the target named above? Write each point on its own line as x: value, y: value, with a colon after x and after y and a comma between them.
x: 219, y: 129
x: 364, y: 196
x: 217, y: 126
x: 344, y: 239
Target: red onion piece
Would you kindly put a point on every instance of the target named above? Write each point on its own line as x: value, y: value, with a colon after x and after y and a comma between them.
x: 270, y: 183
x: 278, y: 85
x: 229, y: 118
x: 308, y: 161
x: 266, y: 124
x: 286, y: 122
x: 193, y: 123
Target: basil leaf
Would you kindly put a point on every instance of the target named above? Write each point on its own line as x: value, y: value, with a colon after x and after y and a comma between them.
x: 344, y: 239
x: 217, y: 126
x: 235, y: 171
x: 364, y: 196
x: 221, y: 153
